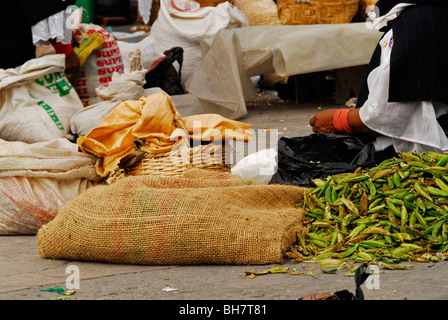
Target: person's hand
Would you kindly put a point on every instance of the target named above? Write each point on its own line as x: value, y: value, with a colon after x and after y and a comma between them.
x: 72, y: 64
x: 322, y: 122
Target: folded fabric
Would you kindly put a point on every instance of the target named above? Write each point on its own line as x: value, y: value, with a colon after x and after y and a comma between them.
x: 152, y: 120
x: 211, y: 127
x: 57, y: 158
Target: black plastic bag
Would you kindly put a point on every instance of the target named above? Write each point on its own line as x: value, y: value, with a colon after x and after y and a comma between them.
x: 165, y: 75
x: 302, y: 159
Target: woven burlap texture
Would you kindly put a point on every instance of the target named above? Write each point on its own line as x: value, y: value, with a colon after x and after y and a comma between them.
x: 203, y: 217
x: 259, y: 12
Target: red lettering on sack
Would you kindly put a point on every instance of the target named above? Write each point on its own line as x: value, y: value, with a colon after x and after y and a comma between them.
x: 99, y: 54
x: 107, y: 53
x: 107, y: 44
x: 110, y: 44
x: 109, y: 62
x: 105, y: 71
x: 105, y: 80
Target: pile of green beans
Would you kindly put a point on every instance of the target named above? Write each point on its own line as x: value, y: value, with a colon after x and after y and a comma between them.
x: 396, y: 211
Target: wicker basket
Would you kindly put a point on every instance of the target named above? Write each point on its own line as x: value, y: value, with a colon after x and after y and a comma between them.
x: 317, y: 11
x: 259, y: 12
x: 212, y: 156
x: 169, y: 164
x: 363, y: 5
x: 174, y: 163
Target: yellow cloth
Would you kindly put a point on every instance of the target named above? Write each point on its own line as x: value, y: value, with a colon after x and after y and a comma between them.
x: 87, y: 46
x: 154, y: 121
x: 150, y: 118
x: 211, y: 127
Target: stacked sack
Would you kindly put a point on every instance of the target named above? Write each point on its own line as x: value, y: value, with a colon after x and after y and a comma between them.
x: 37, y: 100
x: 40, y: 169
x: 37, y: 179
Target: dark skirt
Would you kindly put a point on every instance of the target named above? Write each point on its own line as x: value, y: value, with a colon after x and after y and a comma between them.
x: 419, y: 66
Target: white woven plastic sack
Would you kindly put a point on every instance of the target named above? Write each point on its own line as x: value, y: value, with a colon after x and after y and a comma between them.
x: 37, y: 179
x: 36, y: 100
x: 100, y: 66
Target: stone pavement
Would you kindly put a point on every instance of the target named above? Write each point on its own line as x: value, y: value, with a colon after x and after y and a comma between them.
x: 24, y: 273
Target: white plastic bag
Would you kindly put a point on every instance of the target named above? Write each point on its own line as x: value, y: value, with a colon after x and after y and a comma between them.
x: 37, y: 179
x: 259, y: 166
x: 36, y: 100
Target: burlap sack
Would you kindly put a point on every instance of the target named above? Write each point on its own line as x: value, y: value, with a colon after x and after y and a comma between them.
x: 216, y: 218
